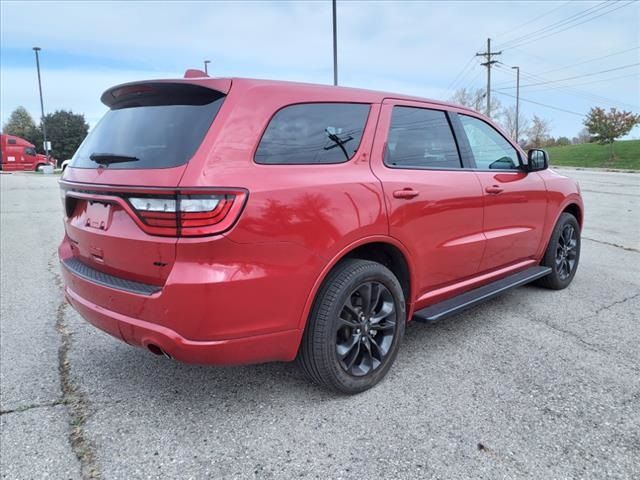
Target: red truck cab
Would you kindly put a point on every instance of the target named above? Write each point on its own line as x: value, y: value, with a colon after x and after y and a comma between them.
x: 19, y: 155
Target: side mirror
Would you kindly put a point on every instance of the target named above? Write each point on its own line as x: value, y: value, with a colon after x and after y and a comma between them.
x: 537, y: 160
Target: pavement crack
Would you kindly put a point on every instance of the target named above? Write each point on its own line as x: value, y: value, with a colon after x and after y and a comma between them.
x: 31, y: 406
x: 611, y: 244
x: 591, y: 346
x: 613, y: 304
x: 75, y: 401
x: 568, y: 333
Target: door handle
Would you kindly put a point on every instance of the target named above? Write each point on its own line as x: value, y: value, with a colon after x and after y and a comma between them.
x: 494, y: 189
x: 406, y: 193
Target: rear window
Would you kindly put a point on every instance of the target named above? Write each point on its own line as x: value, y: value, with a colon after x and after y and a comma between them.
x: 313, y: 133
x: 160, y: 125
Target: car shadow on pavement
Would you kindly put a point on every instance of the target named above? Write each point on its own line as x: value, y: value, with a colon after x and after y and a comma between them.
x: 134, y: 372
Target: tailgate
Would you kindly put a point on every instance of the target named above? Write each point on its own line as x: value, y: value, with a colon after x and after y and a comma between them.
x: 106, y: 236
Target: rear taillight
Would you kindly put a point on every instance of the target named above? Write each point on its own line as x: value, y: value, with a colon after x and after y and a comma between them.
x: 188, y: 214
x: 193, y: 212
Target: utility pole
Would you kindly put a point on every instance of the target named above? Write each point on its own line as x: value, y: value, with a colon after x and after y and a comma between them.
x: 488, y: 55
x: 335, y: 45
x: 44, y: 126
x: 517, y: 69
x: 206, y: 70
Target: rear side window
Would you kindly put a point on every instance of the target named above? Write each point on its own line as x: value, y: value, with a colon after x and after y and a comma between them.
x: 421, y: 138
x: 157, y: 125
x: 12, y: 141
x: 313, y: 133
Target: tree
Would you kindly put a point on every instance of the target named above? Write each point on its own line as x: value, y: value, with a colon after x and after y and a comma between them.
x: 509, y: 123
x: 583, y: 137
x: 66, y: 131
x: 563, y: 141
x: 539, y: 131
x: 476, y: 100
x: 606, y: 127
x: 21, y: 124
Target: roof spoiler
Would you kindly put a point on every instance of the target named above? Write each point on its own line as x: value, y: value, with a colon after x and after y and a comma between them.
x: 194, y: 73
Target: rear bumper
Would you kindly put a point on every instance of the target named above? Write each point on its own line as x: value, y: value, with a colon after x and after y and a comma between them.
x: 223, y: 303
x: 279, y: 346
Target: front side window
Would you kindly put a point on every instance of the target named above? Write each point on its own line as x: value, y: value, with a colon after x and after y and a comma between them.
x: 313, y: 133
x: 420, y: 138
x: 30, y: 151
x: 490, y: 149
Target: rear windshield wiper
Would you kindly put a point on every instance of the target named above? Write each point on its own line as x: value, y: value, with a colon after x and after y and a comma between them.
x: 338, y: 142
x: 109, y: 158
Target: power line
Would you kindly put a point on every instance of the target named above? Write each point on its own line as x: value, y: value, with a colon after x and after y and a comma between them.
x: 542, y: 104
x: 460, y: 77
x: 549, y: 34
x: 569, y: 89
x: 568, y: 23
x: 610, y: 79
x: 565, y: 67
x: 455, y: 80
x: 590, y: 60
x: 559, y: 23
x: 471, y: 82
x: 533, y: 20
x: 579, y: 76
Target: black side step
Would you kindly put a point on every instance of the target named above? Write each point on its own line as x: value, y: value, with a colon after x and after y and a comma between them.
x: 474, y: 297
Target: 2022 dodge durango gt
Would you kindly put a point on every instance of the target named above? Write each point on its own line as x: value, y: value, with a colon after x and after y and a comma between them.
x: 231, y: 221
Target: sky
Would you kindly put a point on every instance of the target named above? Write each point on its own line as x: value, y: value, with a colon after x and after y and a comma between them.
x: 573, y: 55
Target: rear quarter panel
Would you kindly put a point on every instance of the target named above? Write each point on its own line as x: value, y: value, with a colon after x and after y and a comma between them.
x: 317, y: 209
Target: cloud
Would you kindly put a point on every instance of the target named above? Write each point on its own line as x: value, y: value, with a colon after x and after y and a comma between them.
x: 410, y: 47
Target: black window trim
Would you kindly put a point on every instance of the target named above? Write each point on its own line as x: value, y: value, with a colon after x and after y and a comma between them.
x: 268, y: 122
x: 471, y: 159
x: 447, y: 114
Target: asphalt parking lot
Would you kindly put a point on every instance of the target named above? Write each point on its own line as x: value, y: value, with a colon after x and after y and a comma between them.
x: 534, y: 384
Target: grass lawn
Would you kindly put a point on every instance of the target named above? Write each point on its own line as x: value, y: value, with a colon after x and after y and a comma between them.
x: 592, y: 155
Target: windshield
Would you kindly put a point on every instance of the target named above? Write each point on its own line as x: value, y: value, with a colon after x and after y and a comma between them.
x: 160, y: 127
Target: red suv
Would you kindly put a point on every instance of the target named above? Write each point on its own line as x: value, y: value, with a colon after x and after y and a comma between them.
x: 231, y: 221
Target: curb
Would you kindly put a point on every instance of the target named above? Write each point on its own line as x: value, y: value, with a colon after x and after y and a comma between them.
x: 594, y: 169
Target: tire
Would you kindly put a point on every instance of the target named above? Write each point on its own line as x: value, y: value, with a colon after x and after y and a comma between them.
x: 562, y: 254
x: 39, y: 167
x: 347, y: 347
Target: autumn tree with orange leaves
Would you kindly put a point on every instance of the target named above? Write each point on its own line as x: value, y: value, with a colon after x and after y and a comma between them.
x: 605, y: 127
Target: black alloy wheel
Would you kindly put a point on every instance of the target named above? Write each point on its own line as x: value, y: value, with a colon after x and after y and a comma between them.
x: 563, y: 253
x: 355, y: 327
x: 566, y: 251
x: 366, y: 328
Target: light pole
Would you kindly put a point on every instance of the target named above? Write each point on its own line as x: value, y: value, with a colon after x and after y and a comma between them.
x: 335, y: 45
x: 517, y: 69
x: 44, y: 126
x: 206, y: 63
